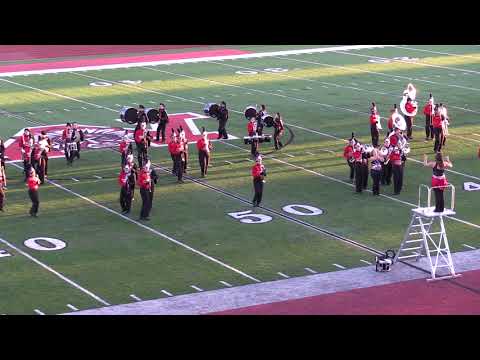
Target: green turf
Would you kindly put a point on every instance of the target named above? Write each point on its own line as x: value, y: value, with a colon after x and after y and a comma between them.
x: 114, y: 258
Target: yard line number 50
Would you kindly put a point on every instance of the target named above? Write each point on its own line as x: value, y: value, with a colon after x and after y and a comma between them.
x: 248, y: 217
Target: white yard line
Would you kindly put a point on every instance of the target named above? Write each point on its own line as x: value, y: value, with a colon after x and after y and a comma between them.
x: 98, y: 177
x: 289, y: 155
x: 310, y: 270
x: 39, y: 312
x: 196, y: 288
x: 221, y: 263
x: 134, y: 297
x: 226, y: 283
x: 76, y: 180
x: 66, y: 109
x: 469, y: 246
x: 309, y: 153
x: 48, y: 268
x: 437, y: 52
x: 283, y: 275
x: 339, y: 266
x: 72, y: 307
x: 366, y: 262
x: 228, y: 162
x: 167, y: 293
x: 193, y: 60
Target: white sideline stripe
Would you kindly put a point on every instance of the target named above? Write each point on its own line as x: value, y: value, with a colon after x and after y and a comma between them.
x: 98, y: 177
x: 196, y: 288
x: 290, y: 155
x: 339, y: 266
x: 166, y: 293
x: 310, y: 270
x: 437, y: 52
x: 72, y: 307
x: 136, y: 298
x: 226, y: 283
x: 283, y: 275
x: 75, y: 180
x: 410, y: 62
x: 366, y: 262
x: 46, y: 267
x: 39, y: 312
x: 149, y: 229
x: 192, y: 60
x: 468, y: 246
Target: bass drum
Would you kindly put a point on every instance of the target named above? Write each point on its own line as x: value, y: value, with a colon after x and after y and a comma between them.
x: 129, y: 115
x: 211, y: 109
x: 267, y: 120
x: 250, y: 112
x: 152, y: 115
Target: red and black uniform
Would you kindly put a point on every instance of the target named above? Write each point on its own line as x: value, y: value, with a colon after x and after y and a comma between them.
x: 162, y: 124
x: 33, y: 182
x: 203, y: 147
x: 258, y: 174
x: 437, y: 131
x: 439, y: 183
x: 3, y: 185
x: 125, y: 191
x: 358, y: 164
x: 252, y: 131
x: 145, y: 183
x: 373, y: 129
x: 397, y: 168
x: 171, y: 149
x: 348, y: 155
x: 2, y: 156
x: 409, y: 120
x: 125, y: 150
x: 184, y: 142
x: 140, y: 136
x: 428, y: 112
x: 178, y: 150
x: 390, y: 123
x: 26, y: 145
x: 36, y: 162
x: 376, y: 174
x: 278, y: 132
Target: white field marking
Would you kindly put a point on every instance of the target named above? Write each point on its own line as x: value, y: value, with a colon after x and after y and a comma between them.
x: 147, y: 228
x: 66, y: 109
x: 98, y: 177
x: 75, y: 180
x: 166, y: 293
x: 366, y: 262
x: 55, y: 94
x: 309, y: 153
x: 31, y: 113
x: 310, y: 270
x: 308, y: 88
x: 46, y: 267
x: 410, y: 62
x: 72, y: 307
x: 339, y: 266
x: 48, y: 111
x: 84, y: 108
x: 349, y: 184
x: 249, y: 159
x: 39, y: 312
x: 453, y: 135
x: 280, y: 90
x: 289, y: 155
x: 438, y: 52
x: 452, y: 75
x: 295, y: 89
x: 226, y: 283
x: 382, y: 74
x: 476, y: 134
x: 228, y: 162
x: 468, y: 246
x: 325, y: 86
x: 283, y: 275
x: 134, y: 297
x: 217, y: 96
x: 192, y: 60
x: 118, y: 105
x: 196, y: 288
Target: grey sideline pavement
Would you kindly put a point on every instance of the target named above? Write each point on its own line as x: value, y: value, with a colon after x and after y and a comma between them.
x: 281, y: 290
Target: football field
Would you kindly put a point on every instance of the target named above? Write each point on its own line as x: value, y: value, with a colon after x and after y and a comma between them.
x: 82, y: 253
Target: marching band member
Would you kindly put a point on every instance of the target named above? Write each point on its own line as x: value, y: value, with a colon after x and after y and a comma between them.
x: 259, y: 120
x: 376, y: 170
x: 140, y: 136
x: 77, y: 137
x: 386, y: 164
x: 26, y: 146
x: 348, y: 156
x: 439, y: 180
x: 357, y: 155
x: 374, y: 119
x: 428, y: 112
x: 153, y: 176
x: 67, y: 133
x: 125, y: 148
x: 445, y: 123
x: 204, y: 147
x: 278, y: 132
x: 2, y: 156
x: 3, y: 184
x: 364, y: 169
x: 145, y: 183
x: 162, y: 123
x: 45, y: 146
x: 171, y: 149
x: 35, y: 161
x: 125, y: 191
x: 33, y: 183
x: 395, y: 158
x: 258, y: 173
x: 178, y: 150
x: 132, y: 177
x: 222, y: 121
x: 409, y: 120
x: 437, y: 129
x: 184, y: 141
x: 141, y: 116
x: 393, y: 113
x: 252, y: 131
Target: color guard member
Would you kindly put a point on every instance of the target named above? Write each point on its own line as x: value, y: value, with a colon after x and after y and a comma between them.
x: 439, y: 180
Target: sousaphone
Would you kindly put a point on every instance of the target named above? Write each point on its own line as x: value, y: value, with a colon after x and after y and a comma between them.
x: 410, y: 92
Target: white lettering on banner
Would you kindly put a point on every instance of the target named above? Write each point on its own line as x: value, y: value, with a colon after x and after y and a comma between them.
x: 37, y: 244
x: 311, y: 210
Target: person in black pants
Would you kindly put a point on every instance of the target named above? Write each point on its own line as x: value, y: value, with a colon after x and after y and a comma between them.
x: 258, y: 173
x: 33, y: 182
x: 162, y: 123
x: 376, y: 170
x: 222, y: 121
x: 439, y: 180
x: 78, y: 137
x: 145, y: 192
x: 364, y: 170
x: 357, y: 155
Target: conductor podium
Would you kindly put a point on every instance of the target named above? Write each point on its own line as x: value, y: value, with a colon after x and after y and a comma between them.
x: 426, y: 236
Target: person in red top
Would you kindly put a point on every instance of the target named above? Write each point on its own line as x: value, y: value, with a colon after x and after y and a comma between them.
x: 252, y: 131
x: 278, y: 132
x: 178, y: 150
x: 374, y: 119
x: 390, y: 124
x: 409, y: 119
x: 140, y: 137
x: 395, y: 158
x: 171, y: 148
x: 204, y: 146
x: 439, y: 180
x: 348, y: 156
x: 428, y: 112
x: 26, y: 147
x: 36, y: 161
x: 125, y: 189
x: 145, y: 183
x: 437, y: 129
x: 184, y: 141
x: 3, y: 186
x: 258, y: 173
x: 33, y: 182
x: 125, y: 148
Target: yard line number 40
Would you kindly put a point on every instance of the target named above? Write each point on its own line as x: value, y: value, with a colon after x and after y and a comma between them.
x: 248, y: 217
